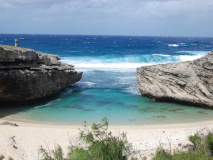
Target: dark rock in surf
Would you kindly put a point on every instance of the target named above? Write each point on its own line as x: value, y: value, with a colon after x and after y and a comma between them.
x: 89, y: 110
x: 9, y: 123
x: 28, y: 75
x: 186, y: 82
x: 75, y: 107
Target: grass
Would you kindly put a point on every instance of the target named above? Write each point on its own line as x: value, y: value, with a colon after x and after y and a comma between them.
x: 10, y: 47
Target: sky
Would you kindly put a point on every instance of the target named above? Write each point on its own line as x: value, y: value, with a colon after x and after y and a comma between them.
x: 108, y: 17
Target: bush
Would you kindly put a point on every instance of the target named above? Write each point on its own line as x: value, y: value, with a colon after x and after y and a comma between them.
x: 209, y: 142
x: 101, y: 145
x: 196, y: 140
x: 202, y: 150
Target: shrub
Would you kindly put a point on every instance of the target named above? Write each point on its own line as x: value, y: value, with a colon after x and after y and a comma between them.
x: 196, y: 140
x: 209, y: 142
x: 201, y: 150
x: 100, y: 145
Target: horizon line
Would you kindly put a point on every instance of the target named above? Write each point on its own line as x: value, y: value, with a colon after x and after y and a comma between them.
x: 102, y: 35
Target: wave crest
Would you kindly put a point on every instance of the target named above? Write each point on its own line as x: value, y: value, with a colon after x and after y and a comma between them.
x: 130, y: 61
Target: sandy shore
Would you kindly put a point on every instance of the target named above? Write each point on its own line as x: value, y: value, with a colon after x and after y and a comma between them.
x: 144, y: 139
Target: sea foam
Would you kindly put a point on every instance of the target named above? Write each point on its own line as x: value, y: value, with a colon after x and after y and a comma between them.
x: 173, y: 45
x: 131, y: 62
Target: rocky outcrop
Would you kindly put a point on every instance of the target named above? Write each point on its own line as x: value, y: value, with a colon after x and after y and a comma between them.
x: 186, y: 82
x: 28, y: 75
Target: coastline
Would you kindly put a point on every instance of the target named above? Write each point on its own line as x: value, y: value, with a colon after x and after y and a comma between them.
x: 145, y: 138
x: 28, y: 123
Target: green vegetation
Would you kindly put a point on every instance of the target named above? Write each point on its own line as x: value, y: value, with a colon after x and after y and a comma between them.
x: 202, y: 149
x: 11, y: 47
x: 100, y: 144
x: 187, y: 61
x: 8, y: 47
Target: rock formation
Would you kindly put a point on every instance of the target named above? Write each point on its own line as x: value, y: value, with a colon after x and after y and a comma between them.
x: 186, y: 82
x: 28, y: 75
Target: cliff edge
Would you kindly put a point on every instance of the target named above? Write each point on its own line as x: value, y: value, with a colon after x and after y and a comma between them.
x: 186, y: 82
x: 28, y: 75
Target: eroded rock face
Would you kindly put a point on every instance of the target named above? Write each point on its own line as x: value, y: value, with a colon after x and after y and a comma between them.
x: 186, y: 82
x: 28, y: 75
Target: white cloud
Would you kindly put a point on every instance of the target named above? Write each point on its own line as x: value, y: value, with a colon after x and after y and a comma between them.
x: 109, y: 13
x: 141, y: 8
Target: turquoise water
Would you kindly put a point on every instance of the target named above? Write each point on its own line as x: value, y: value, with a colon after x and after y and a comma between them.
x: 120, y: 102
x: 108, y: 87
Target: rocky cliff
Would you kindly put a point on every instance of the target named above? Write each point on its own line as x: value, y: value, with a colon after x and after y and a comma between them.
x: 28, y: 75
x: 186, y: 82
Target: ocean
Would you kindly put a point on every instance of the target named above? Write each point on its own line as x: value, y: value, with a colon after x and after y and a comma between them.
x: 109, y: 87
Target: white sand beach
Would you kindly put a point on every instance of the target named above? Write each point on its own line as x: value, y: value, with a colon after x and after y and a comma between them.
x: 27, y: 137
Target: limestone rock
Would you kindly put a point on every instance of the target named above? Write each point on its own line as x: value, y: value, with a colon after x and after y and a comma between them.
x: 186, y: 82
x: 27, y: 75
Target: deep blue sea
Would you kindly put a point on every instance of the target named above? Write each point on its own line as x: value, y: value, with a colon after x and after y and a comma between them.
x: 109, y: 87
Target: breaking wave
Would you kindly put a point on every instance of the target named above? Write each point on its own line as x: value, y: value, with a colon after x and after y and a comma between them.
x: 130, y: 61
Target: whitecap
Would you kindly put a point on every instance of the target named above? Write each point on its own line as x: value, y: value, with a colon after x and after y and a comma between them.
x: 117, y: 62
x: 165, y: 55
x: 173, y: 45
x: 184, y: 58
x: 114, y: 62
x: 191, y: 55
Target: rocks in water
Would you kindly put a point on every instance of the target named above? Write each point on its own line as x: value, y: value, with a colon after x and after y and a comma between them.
x: 159, y: 117
x: 89, y: 110
x: 28, y: 75
x: 81, y: 108
x: 186, y: 82
x: 9, y: 123
x: 76, y: 107
x: 174, y: 110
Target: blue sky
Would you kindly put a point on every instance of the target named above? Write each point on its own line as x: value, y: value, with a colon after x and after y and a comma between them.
x: 108, y: 17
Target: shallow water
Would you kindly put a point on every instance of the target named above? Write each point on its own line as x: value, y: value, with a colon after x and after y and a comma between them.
x: 109, y: 95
